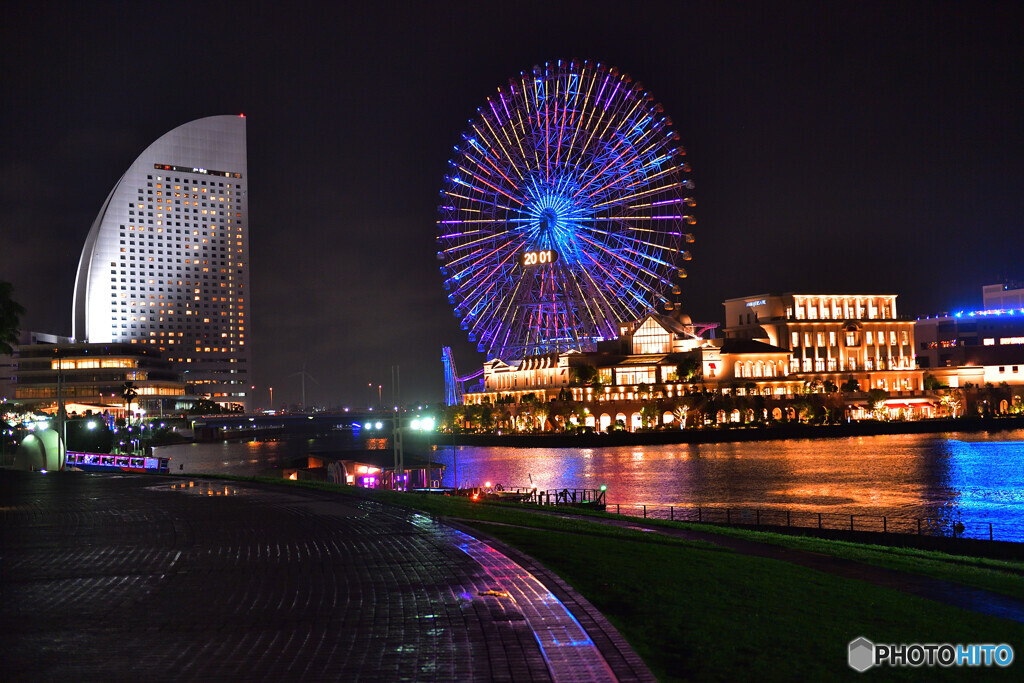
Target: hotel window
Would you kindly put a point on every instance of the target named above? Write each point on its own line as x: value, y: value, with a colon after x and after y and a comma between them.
x: 807, y: 364
x: 832, y: 338
x: 869, y: 364
x: 651, y: 338
x: 892, y: 337
x: 812, y: 312
x: 794, y: 365
x: 821, y: 338
x: 851, y: 363
x: 819, y: 365
x: 807, y: 338
x: 869, y: 338
x: 832, y: 365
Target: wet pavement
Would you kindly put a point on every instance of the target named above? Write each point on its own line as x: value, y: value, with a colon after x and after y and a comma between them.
x: 143, y: 577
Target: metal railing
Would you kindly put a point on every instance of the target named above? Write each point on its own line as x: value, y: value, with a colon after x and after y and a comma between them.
x: 774, y: 517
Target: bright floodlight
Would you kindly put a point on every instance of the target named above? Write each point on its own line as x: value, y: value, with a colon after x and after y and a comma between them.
x: 378, y: 425
x: 367, y: 425
x: 91, y: 424
x: 415, y: 424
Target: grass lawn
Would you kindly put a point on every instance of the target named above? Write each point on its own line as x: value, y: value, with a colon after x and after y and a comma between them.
x: 698, y: 613
x: 695, y: 611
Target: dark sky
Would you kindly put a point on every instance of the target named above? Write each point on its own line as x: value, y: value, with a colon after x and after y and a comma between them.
x: 835, y: 146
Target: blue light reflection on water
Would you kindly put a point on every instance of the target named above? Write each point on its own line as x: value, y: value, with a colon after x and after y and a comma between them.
x: 973, y: 478
x: 985, y: 478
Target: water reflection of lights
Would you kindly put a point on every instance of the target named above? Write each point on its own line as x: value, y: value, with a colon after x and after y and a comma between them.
x: 925, y: 476
x: 973, y: 477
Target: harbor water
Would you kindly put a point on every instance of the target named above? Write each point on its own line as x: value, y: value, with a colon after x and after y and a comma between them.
x: 973, y: 478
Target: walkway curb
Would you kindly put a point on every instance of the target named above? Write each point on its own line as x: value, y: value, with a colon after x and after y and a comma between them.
x: 624, y: 662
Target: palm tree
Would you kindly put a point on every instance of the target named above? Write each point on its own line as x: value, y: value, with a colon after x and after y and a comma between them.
x: 129, y: 394
x: 10, y: 319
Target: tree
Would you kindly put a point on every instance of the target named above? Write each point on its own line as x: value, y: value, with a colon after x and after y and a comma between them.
x: 931, y: 382
x: 584, y: 374
x: 10, y: 319
x: 129, y: 394
x: 688, y: 369
x: 875, y: 399
x: 649, y: 414
x: 849, y: 386
x: 953, y: 399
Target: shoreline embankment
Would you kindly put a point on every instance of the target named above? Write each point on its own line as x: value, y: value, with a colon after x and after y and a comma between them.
x: 731, y: 434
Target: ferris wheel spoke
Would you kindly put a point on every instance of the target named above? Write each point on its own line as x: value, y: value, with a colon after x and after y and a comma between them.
x: 622, y: 260
x: 638, y: 195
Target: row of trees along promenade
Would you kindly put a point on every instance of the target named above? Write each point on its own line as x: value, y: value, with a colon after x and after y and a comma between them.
x: 820, y: 404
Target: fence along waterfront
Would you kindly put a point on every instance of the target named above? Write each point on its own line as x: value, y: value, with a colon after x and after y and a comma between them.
x: 837, y: 521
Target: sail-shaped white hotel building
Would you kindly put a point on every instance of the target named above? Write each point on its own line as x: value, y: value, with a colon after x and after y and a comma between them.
x: 166, y: 260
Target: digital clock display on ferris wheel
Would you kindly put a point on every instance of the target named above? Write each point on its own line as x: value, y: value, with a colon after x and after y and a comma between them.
x: 541, y: 257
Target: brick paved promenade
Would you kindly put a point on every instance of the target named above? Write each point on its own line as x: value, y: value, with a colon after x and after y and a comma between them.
x: 127, y: 577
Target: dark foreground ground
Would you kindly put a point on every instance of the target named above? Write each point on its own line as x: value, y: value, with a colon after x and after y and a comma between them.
x: 134, y: 577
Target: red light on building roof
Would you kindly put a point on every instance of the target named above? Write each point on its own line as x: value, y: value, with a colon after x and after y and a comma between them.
x: 241, y: 116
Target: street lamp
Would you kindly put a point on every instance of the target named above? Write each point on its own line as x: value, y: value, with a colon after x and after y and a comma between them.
x: 380, y: 401
x: 271, y: 398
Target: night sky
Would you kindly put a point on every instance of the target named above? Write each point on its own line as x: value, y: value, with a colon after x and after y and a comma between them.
x: 836, y: 147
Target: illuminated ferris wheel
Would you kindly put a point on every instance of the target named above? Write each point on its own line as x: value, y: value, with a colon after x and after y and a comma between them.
x: 565, y: 212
